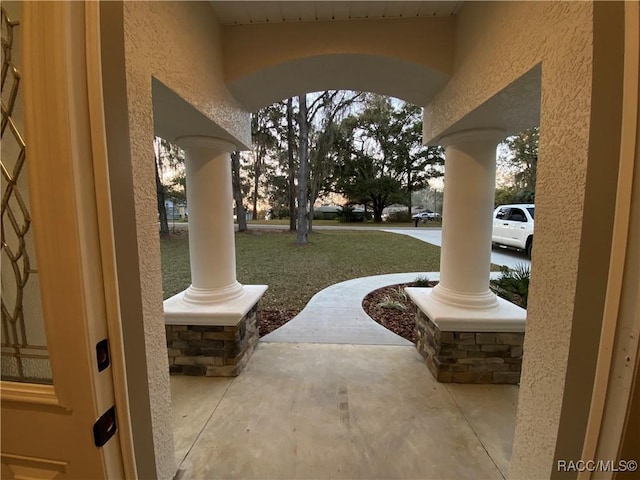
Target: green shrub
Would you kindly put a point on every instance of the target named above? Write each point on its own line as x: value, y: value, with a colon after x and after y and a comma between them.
x: 325, y: 215
x: 348, y: 215
x: 510, y: 195
x: 401, y: 294
x: 388, y: 302
x: 513, y: 284
x: 278, y: 213
x: 402, y: 216
x: 422, y: 281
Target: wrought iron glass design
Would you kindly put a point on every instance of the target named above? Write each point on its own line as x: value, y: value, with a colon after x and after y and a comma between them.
x: 24, y: 351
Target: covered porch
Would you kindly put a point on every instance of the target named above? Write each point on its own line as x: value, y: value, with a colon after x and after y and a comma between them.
x: 103, y: 79
x: 479, y: 80
x: 333, y: 394
x: 340, y: 411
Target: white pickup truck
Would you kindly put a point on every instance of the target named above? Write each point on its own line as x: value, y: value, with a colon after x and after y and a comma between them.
x: 513, y: 226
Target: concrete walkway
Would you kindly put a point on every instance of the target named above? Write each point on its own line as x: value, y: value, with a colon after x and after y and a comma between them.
x: 335, y: 314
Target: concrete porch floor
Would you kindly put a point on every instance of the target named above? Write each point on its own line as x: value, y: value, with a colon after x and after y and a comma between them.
x: 316, y: 411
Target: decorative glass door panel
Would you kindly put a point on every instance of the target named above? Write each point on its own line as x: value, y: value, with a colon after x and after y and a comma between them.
x: 24, y: 345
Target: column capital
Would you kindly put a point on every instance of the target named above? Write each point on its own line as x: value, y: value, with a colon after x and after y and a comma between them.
x: 475, y: 135
x: 217, y: 145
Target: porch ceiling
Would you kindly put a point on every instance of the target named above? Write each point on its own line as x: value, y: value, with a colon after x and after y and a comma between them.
x: 368, y: 47
x: 386, y: 76
x: 250, y: 12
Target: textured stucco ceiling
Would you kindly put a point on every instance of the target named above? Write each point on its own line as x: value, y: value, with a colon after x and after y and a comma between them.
x: 249, y: 12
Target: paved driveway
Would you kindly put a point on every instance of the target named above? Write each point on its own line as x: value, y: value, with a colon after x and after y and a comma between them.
x: 499, y: 256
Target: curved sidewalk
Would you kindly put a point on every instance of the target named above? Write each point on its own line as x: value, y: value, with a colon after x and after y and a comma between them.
x: 335, y: 315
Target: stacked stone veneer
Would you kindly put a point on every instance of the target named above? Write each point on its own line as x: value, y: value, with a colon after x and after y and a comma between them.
x: 211, y: 350
x: 469, y: 357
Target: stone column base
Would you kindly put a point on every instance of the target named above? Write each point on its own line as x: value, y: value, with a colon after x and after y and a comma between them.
x: 214, y: 340
x: 212, y: 350
x: 468, y: 357
x: 461, y: 346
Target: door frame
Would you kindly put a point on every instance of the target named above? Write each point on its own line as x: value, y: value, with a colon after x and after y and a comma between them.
x: 616, y: 374
x: 73, y: 235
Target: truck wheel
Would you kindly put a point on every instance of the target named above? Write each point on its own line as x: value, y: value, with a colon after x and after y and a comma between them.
x: 529, y: 246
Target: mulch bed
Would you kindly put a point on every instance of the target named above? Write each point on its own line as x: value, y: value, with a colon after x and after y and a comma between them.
x: 400, y: 320
x: 272, y: 319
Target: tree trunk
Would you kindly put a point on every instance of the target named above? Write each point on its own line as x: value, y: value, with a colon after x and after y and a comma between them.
x: 237, y: 191
x: 257, y: 166
x: 301, y: 234
x: 313, y: 195
x: 409, y: 187
x: 291, y: 145
x: 378, y: 207
x: 257, y: 171
x: 162, y: 209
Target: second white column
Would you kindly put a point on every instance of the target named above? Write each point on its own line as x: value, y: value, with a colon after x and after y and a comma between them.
x: 465, y: 259
x: 212, y: 252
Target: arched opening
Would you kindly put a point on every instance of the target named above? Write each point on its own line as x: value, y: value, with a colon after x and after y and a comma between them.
x: 445, y: 118
x: 196, y: 456
x: 584, y: 284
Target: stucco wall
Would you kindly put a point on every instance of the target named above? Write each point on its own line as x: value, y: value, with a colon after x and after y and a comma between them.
x: 575, y: 186
x: 565, y: 36
x: 424, y: 41
x: 177, y: 43
x: 496, y: 43
x: 410, y: 58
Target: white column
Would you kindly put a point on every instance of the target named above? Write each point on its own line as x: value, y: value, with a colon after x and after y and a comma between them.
x: 212, y: 249
x: 469, y: 191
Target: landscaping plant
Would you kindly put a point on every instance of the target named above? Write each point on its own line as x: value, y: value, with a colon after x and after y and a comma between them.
x: 513, y: 284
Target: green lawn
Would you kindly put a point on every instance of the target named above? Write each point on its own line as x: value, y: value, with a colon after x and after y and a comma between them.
x: 336, y: 223
x: 294, y: 274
